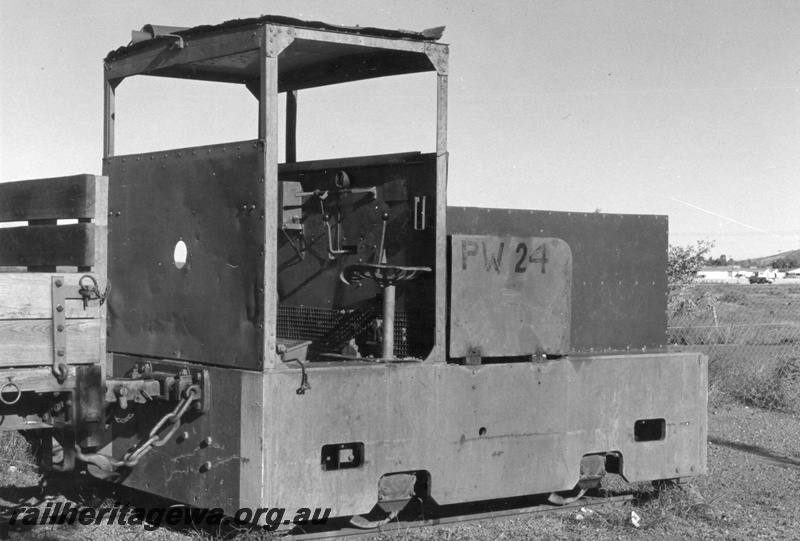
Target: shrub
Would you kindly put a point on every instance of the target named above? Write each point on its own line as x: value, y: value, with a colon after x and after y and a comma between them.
x: 683, y: 264
x: 769, y: 384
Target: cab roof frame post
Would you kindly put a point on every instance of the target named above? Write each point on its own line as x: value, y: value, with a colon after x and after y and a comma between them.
x: 268, y: 134
x: 438, y: 55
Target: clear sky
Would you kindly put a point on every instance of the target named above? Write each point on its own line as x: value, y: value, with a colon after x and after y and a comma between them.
x: 689, y: 109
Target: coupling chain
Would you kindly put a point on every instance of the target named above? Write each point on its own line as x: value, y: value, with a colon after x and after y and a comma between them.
x: 171, y: 420
x: 103, y: 466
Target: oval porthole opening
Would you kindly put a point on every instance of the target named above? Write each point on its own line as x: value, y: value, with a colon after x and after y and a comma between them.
x: 179, y: 254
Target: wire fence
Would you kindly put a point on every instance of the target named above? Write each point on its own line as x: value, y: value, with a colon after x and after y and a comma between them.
x: 751, y: 333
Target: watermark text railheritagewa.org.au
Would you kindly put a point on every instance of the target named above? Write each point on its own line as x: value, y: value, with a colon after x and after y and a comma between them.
x: 152, y: 519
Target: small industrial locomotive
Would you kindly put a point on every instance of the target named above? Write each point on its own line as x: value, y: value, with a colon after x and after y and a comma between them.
x: 230, y: 328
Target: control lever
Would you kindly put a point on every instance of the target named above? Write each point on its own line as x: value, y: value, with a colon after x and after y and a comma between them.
x: 342, y: 183
x: 331, y: 251
x: 381, y: 255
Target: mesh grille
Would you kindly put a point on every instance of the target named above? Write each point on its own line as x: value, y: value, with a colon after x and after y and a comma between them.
x: 330, y: 330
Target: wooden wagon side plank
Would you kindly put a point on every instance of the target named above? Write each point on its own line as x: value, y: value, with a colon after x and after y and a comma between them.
x: 48, y: 198
x: 48, y: 245
x: 29, y: 342
x: 26, y: 295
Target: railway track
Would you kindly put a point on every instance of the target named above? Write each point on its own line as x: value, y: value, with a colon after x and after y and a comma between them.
x: 335, y: 529
x: 417, y: 514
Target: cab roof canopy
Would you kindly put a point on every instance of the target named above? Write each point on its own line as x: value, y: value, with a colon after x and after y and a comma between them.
x: 310, y: 54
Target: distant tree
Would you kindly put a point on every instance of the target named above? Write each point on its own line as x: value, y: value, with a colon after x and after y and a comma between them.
x: 721, y: 261
x: 682, y: 267
x: 785, y: 263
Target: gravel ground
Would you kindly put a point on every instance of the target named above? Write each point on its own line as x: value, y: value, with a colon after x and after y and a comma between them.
x: 754, y: 469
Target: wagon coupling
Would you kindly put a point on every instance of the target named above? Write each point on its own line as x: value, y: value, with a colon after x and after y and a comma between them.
x: 99, y: 465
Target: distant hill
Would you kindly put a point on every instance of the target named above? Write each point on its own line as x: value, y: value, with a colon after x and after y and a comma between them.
x: 794, y: 254
x: 770, y: 259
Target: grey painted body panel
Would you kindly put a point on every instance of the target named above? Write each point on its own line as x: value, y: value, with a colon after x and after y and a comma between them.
x: 619, y: 270
x: 539, y: 419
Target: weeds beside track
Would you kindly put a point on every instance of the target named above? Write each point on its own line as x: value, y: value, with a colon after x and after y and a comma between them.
x: 751, y: 334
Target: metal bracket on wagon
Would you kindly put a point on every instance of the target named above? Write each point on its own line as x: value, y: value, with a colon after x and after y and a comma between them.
x: 143, y: 383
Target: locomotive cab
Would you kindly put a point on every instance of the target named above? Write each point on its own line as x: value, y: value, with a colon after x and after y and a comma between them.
x: 298, y: 260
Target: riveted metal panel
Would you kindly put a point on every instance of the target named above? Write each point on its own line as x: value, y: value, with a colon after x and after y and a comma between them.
x: 619, y: 279
x: 211, y: 309
x: 201, y: 465
x: 509, y: 296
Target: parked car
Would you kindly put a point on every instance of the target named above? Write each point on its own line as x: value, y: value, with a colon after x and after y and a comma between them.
x: 756, y: 279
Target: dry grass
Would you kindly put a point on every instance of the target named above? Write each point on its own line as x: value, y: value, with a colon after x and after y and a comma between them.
x: 752, y: 337
x: 16, y: 460
x: 770, y: 384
